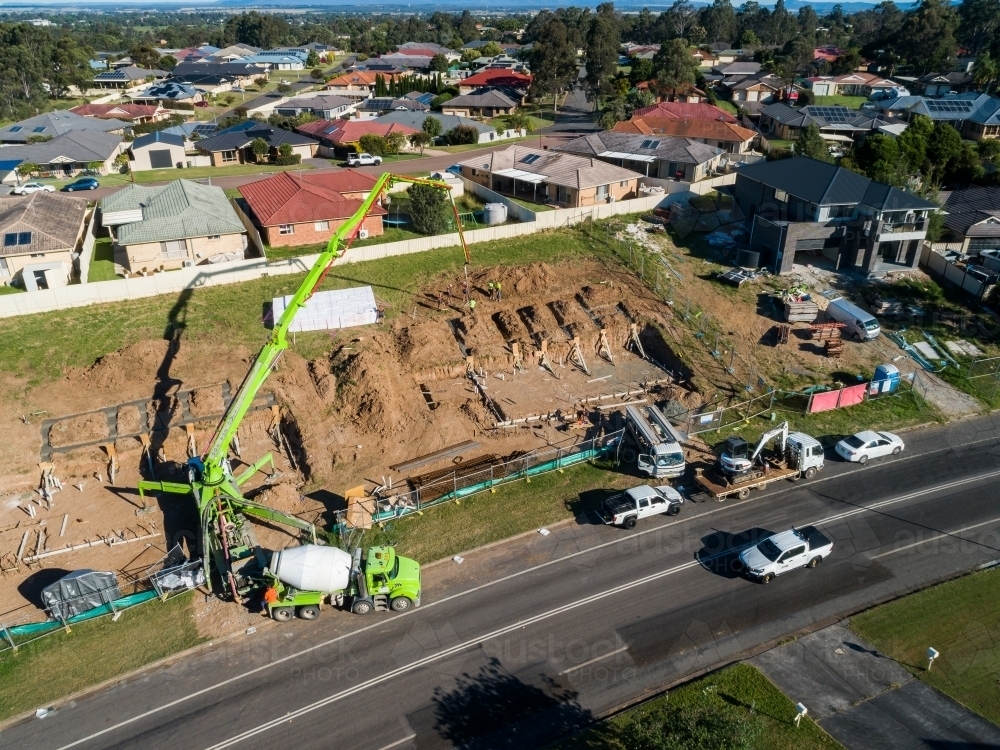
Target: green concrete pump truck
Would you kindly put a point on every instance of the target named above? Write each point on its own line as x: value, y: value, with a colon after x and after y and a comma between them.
x: 300, y: 580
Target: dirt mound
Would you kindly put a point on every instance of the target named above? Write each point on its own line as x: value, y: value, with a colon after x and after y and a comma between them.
x: 520, y: 280
x: 568, y: 313
x: 376, y: 397
x: 427, y: 343
x: 283, y: 496
x: 599, y: 295
x: 323, y: 378
x: 480, y: 336
x: 129, y: 420
x: 80, y: 429
x: 162, y: 412
x: 205, y: 401
x: 509, y: 325
x: 122, y: 370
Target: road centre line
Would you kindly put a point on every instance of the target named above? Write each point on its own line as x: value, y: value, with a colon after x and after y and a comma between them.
x: 938, y: 536
x: 297, y: 654
x: 397, y: 743
x: 595, y: 659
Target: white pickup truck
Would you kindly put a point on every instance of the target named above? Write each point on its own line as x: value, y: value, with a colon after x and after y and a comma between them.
x: 363, y: 160
x: 639, y: 502
x: 795, y: 548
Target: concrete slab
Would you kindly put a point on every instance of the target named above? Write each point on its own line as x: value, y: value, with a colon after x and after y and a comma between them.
x: 866, y: 727
x: 936, y: 717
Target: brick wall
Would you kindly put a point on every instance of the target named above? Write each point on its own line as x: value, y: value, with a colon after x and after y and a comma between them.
x: 306, y: 233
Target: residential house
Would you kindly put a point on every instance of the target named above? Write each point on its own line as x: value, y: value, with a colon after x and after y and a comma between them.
x: 974, y: 115
x: 485, y: 102
x: 216, y: 77
x: 168, y: 93
x: 65, y: 155
x: 942, y: 84
x: 324, y: 106
x: 761, y: 87
x: 718, y: 47
x: 275, y: 60
x: 836, y: 123
x: 163, y: 150
x: 551, y: 177
x: 416, y: 63
x: 828, y: 53
x: 727, y: 136
x: 129, y: 77
x: 353, y: 80
x: 182, y: 223
x: 972, y: 217
x: 234, y: 52
x: 500, y: 62
x: 339, y: 138
x: 376, y: 106
x: 666, y: 158
x: 685, y: 111
x: 41, y: 232
x: 851, y: 84
x: 233, y: 146
x: 192, y: 131
x: 306, y: 209
x: 803, y: 205
x: 134, y: 114
x: 51, y: 124
x: 487, y: 133
x: 494, y: 78
x: 684, y: 94
x: 193, y: 54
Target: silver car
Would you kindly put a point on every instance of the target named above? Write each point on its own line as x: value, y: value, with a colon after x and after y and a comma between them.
x: 869, y: 444
x: 33, y: 187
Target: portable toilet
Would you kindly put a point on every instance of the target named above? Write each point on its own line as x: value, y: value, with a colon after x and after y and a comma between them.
x: 886, y: 380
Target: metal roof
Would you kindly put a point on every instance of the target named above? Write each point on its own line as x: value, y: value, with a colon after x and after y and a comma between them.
x: 57, y: 123
x: 648, y: 148
x: 553, y: 167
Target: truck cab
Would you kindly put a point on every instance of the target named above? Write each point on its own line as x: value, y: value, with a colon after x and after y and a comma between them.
x: 663, y: 460
x: 804, y: 453
x: 626, y: 509
x: 387, y: 581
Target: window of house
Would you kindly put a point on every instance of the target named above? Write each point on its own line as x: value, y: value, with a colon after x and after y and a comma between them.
x: 623, y: 183
x: 286, y: 229
x: 841, y: 212
x: 781, y: 196
x: 602, y: 192
x: 649, y: 144
x: 215, y: 236
x: 39, y: 130
x: 16, y: 129
x: 229, y: 156
x: 321, y: 226
x: 11, y: 239
x: 4, y: 268
x: 173, y: 249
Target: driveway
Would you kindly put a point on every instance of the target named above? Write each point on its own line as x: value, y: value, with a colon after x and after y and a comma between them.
x: 576, y: 116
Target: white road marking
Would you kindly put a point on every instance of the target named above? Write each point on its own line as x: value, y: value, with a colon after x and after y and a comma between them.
x: 324, y: 644
x: 397, y: 743
x: 937, y: 536
x: 595, y: 659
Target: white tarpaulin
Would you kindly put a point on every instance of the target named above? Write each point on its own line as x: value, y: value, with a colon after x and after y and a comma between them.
x: 341, y: 308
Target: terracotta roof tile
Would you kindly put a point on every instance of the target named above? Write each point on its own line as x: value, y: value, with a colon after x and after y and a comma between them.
x: 291, y: 199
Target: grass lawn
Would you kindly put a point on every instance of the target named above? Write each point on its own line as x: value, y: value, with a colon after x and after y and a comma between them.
x: 536, y: 207
x: 63, y: 663
x: 391, y: 234
x: 476, y: 146
x: 487, y: 517
x: 102, y: 264
x: 851, y: 102
x: 8, y: 289
x: 739, y: 692
x: 197, y: 173
x: 959, y: 619
x: 726, y: 106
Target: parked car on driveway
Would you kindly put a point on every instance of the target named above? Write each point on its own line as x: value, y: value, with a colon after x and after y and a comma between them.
x: 363, y: 160
x: 84, y: 183
x: 32, y: 187
x: 201, y: 104
x: 869, y: 444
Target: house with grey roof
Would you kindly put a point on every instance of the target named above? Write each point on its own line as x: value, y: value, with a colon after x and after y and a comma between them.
x: 378, y: 106
x: 487, y: 133
x: 127, y: 77
x: 323, y: 106
x: 806, y: 207
x: 976, y: 116
x: 835, y: 123
x: 162, y: 150
x: 40, y: 233
x: 234, y: 145
x: 664, y: 157
x: 551, y: 177
x: 63, y: 156
x: 49, y: 125
x: 972, y: 217
x: 182, y: 223
x: 484, y: 102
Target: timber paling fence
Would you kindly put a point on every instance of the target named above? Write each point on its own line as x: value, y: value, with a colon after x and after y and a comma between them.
x: 175, y: 576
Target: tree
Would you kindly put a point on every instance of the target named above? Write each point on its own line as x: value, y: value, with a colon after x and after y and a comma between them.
x: 431, y: 126
x: 229, y: 99
x: 26, y: 169
x: 680, y: 17
x: 256, y: 29
x: 979, y: 21
x: 168, y: 62
x: 989, y: 151
x: 810, y: 143
x: 420, y: 140
x: 676, y: 68
x: 878, y: 158
x: 603, y: 41
x: 615, y: 110
x: 808, y: 20
x: 144, y: 56
x: 985, y: 71
x: 284, y: 88
x: 439, y: 63
x: 689, y: 727
x: 642, y: 70
x: 719, y: 21
x: 848, y: 62
x: 553, y: 60
x: 429, y: 209
x: 394, y: 143
x: 312, y: 59
x: 491, y: 49
x: 286, y: 157
x: 749, y: 40
x: 927, y: 37
x: 372, y: 144
x: 912, y: 143
x: 518, y: 121
x: 461, y: 135
x: 943, y: 144
x: 260, y: 148
x: 260, y: 82
x: 317, y: 74
x: 469, y: 55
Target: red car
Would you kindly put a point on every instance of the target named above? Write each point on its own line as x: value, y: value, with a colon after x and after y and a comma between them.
x: 201, y: 104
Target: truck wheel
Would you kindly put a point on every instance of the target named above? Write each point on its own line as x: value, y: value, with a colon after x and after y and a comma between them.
x: 400, y: 604
x: 628, y: 455
x: 810, y: 472
x: 744, y: 493
x: 361, y: 607
x: 309, y: 612
x: 863, y: 460
x: 629, y: 523
x: 767, y: 578
x: 814, y: 562
x: 674, y: 510
x: 282, y: 614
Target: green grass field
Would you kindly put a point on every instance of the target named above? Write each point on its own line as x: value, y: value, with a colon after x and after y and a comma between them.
x: 851, y: 102
x: 727, y: 107
x: 64, y: 663
x: 102, y: 264
x: 958, y: 618
x: 740, y: 692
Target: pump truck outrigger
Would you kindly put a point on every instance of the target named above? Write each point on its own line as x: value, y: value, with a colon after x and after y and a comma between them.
x: 227, y: 541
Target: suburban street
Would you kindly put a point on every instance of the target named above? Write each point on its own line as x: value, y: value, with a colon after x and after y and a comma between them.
x: 526, y: 640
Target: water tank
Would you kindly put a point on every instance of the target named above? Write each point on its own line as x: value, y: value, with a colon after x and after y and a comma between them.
x: 886, y: 379
x: 313, y: 568
x: 494, y: 213
x: 748, y: 259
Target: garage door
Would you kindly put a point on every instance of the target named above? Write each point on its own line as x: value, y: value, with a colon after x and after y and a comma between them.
x: 160, y: 159
x: 829, y: 243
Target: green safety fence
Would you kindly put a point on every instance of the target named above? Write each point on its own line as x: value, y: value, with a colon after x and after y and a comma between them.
x: 35, y: 628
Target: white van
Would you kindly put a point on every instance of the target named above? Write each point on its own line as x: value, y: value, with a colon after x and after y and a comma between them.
x: 859, y: 324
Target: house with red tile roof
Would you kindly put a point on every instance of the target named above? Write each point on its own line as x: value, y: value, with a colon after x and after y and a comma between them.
x: 306, y: 209
x: 337, y: 138
x: 495, y: 77
x: 685, y: 111
x: 828, y: 53
x: 725, y: 135
x: 133, y: 113
x: 358, y: 80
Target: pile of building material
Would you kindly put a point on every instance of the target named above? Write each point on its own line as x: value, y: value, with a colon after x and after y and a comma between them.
x: 829, y: 334
x: 799, y: 308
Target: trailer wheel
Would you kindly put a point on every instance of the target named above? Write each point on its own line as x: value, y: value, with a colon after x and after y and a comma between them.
x: 744, y: 493
x: 400, y: 604
x: 810, y: 472
x: 282, y: 614
x: 629, y: 523
x: 628, y: 455
x: 362, y: 607
x: 309, y: 612
x: 814, y: 562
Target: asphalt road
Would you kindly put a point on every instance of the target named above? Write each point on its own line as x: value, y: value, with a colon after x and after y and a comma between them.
x: 527, y: 640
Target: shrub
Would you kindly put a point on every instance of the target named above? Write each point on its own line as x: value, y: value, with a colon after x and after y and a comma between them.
x: 429, y: 210
x: 461, y: 134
